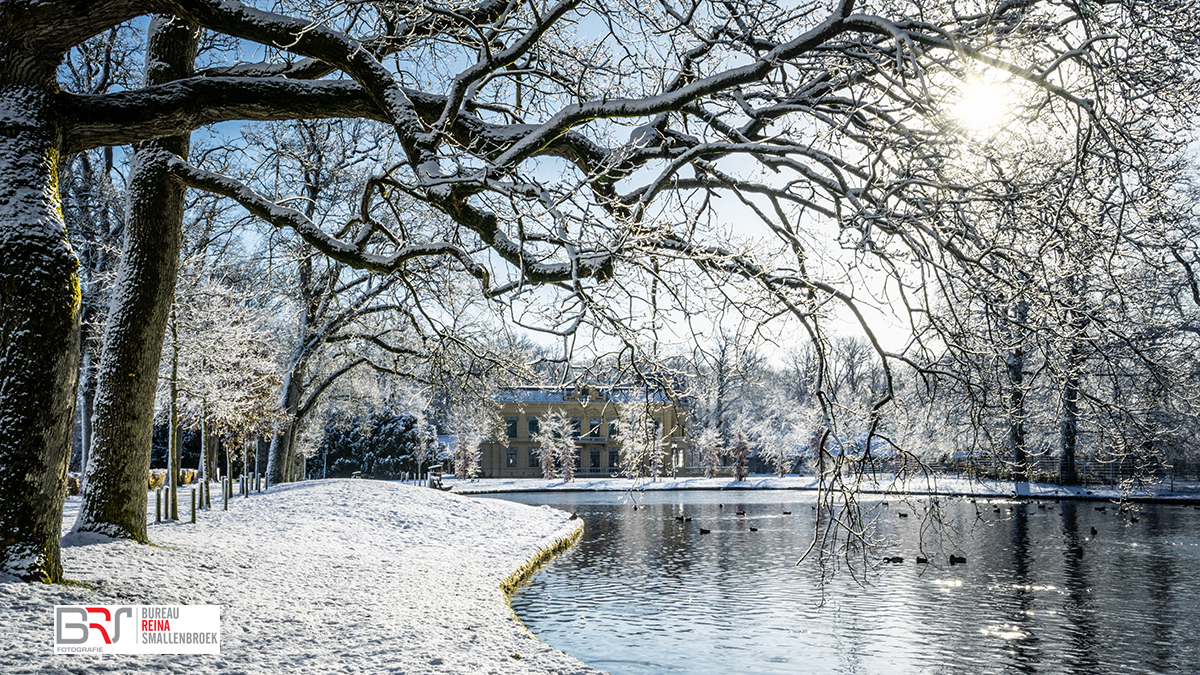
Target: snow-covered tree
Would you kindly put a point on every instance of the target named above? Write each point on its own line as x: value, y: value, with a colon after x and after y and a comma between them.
x: 340, y: 320
x: 834, y: 125
x: 220, y: 367
x: 466, y: 456
x: 708, y: 443
x: 557, y: 451
x: 781, y: 438
x: 375, y: 444
x: 741, y: 458
x: 728, y: 383
x: 470, y: 422
x: 640, y: 437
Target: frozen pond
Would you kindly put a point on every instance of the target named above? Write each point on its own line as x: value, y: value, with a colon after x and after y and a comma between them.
x: 644, y: 593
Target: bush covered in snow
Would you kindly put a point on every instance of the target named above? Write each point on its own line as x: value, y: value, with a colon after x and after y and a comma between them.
x: 375, y: 444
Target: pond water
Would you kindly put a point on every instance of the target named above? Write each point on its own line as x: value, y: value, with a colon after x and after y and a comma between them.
x: 1046, y: 588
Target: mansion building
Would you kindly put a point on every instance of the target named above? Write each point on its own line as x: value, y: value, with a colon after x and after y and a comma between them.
x: 593, y: 413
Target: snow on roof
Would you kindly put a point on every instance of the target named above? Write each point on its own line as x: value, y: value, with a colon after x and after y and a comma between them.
x: 576, y: 394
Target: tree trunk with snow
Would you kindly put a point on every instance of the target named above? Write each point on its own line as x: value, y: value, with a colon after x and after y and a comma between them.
x: 115, y: 500
x: 39, y: 333
x: 281, y: 461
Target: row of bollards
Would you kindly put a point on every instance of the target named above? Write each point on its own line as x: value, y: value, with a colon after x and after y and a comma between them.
x: 202, y: 496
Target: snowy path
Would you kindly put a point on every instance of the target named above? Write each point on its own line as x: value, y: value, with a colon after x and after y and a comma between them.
x: 319, y: 577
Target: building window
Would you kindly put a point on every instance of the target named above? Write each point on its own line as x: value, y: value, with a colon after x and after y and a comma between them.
x: 576, y: 427
x: 657, y: 427
x: 594, y: 457
x: 612, y: 426
x: 534, y: 426
x: 533, y: 457
x: 510, y: 424
x: 510, y: 458
x: 594, y: 427
x: 613, y: 460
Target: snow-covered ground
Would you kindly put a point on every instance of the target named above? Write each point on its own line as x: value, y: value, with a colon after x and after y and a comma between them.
x: 883, y: 484
x: 349, y: 576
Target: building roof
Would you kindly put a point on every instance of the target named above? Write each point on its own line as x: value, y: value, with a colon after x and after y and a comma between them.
x: 572, y: 395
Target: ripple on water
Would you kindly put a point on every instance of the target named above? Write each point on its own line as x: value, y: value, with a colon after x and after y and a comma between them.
x: 644, y: 593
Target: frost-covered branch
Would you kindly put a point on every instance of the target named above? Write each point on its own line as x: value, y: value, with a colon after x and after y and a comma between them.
x: 350, y: 253
x: 123, y: 117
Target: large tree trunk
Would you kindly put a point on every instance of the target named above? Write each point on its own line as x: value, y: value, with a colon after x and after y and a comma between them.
x: 281, y: 460
x: 39, y: 337
x: 115, y: 500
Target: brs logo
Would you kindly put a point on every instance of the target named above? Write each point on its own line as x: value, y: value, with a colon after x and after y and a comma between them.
x: 79, y: 625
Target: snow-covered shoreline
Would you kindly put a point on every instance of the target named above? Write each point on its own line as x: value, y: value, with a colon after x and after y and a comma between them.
x: 318, y: 577
x: 884, y: 485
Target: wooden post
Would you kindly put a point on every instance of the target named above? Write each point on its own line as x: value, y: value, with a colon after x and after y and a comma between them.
x: 225, y: 493
x: 158, y: 505
x: 193, y: 506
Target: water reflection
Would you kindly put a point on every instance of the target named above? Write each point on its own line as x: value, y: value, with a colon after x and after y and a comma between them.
x: 645, y: 592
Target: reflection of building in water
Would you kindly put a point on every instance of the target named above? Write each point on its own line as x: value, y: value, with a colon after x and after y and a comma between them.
x: 594, y: 415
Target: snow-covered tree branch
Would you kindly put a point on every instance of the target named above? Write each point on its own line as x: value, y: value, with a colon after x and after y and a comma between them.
x: 602, y: 165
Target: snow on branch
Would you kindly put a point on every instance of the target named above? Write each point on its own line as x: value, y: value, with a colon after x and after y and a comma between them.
x: 315, y: 40
x: 436, y: 23
x: 124, y: 117
x: 575, y: 114
x: 492, y: 62
x: 351, y: 254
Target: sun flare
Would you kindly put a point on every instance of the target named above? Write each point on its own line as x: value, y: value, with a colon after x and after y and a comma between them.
x: 982, y: 106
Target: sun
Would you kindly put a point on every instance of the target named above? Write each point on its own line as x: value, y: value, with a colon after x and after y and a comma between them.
x: 982, y: 106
